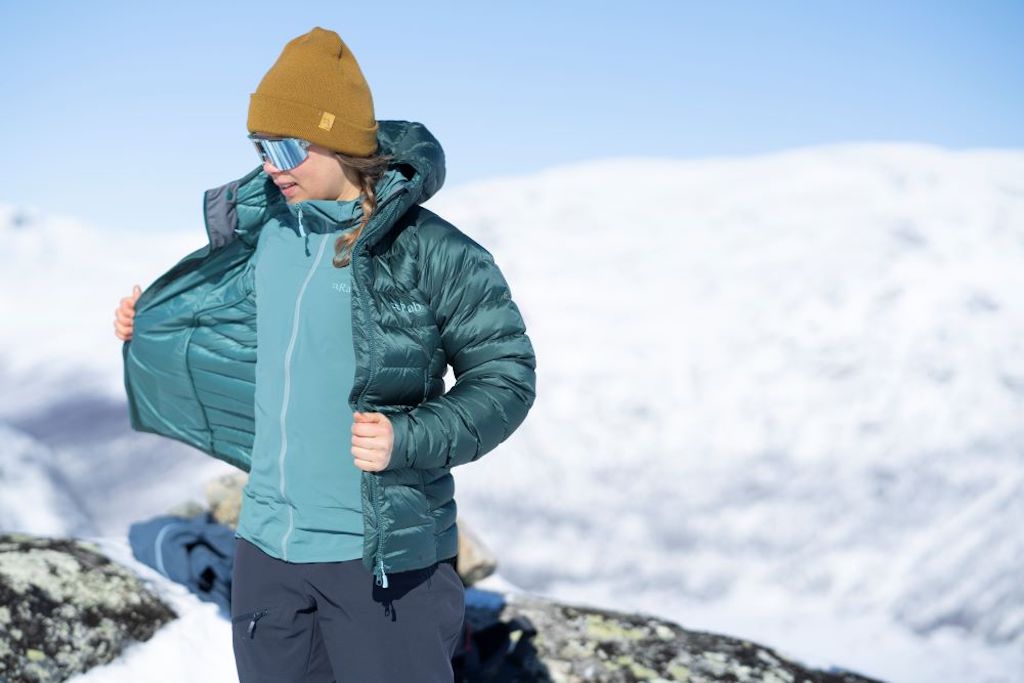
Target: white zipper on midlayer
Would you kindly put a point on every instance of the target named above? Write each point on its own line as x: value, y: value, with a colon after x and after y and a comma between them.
x: 288, y: 384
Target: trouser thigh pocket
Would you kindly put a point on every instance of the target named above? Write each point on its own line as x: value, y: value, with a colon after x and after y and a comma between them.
x: 248, y: 620
x: 273, y: 643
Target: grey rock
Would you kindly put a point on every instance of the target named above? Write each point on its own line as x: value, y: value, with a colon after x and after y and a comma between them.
x: 475, y: 560
x: 576, y: 643
x: 65, y: 608
x: 224, y: 497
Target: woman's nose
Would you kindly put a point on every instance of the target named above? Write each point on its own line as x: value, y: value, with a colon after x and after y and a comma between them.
x: 269, y: 168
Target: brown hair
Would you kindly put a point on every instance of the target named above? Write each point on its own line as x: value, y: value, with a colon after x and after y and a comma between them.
x: 368, y: 170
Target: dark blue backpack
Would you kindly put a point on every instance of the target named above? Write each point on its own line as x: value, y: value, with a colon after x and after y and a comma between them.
x: 491, y: 649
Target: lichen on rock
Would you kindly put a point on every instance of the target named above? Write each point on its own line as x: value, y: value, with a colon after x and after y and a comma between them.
x: 576, y: 643
x: 66, y: 608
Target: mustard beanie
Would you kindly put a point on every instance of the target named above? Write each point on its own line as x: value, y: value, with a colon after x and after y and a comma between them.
x: 316, y: 91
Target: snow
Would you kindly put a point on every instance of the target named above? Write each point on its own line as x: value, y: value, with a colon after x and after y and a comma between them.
x: 194, y: 647
x: 779, y: 397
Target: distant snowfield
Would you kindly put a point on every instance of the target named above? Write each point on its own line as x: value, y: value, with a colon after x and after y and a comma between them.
x: 779, y: 397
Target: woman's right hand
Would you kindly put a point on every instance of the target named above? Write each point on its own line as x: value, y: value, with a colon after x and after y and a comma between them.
x: 124, y: 315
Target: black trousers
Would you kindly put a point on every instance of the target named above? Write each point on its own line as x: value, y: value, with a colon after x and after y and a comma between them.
x: 329, y: 622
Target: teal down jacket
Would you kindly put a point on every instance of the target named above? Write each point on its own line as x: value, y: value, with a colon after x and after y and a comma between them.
x: 424, y: 295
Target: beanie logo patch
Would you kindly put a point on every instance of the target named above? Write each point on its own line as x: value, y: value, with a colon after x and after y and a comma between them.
x: 326, y: 121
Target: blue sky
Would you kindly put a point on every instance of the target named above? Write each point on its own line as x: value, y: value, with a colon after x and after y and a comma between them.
x: 123, y: 113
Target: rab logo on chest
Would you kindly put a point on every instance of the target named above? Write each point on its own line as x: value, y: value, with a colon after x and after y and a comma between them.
x: 403, y: 307
x: 407, y: 311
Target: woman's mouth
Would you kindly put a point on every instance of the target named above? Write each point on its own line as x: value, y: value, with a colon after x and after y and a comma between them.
x: 287, y: 188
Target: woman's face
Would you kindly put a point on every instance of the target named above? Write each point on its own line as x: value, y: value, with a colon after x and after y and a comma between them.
x: 320, y: 176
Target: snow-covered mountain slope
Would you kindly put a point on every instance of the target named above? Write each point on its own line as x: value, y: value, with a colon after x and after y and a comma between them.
x: 778, y: 396
x: 61, y: 282
x: 37, y: 497
x: 799, y: 373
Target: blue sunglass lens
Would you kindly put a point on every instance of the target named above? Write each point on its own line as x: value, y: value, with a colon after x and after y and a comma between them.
x: 283, y: 153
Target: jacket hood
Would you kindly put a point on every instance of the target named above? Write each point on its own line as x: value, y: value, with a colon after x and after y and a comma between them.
x: 240, y: 208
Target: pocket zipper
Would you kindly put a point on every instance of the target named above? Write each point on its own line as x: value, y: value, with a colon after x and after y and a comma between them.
x: 252, y: 616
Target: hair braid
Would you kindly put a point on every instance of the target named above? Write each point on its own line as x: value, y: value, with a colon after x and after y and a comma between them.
x: 368, y: 171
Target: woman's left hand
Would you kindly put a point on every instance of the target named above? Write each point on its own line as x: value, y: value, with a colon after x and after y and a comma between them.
x: 372, y: 441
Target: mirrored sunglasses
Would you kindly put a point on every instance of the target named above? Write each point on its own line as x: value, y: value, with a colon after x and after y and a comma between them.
x: 283, y: 153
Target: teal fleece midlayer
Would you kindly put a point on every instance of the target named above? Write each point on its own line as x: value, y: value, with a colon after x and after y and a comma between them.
x: 303, y: 500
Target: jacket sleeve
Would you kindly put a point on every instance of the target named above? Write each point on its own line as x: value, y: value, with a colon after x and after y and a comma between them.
x: 485, y: 341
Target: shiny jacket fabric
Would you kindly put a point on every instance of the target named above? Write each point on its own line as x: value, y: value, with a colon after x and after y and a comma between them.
x: 424, y: 295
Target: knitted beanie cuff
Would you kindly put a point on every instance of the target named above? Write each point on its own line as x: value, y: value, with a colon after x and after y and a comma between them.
x: 276, y: 116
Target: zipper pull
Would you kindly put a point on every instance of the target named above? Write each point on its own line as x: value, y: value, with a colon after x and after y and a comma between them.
x: 252, y: 624
x: 383, y: 576
x: 302, y: 231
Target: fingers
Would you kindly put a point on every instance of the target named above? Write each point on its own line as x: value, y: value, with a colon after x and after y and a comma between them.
x: 128, y: 302
x: 365, y: 466
x: 364, y: 453
x: 122, y: 332
x: 372, y: 441
x: 124, y: 323
x: 367, y: 459
x: 370, y: 428
x: 367, y: 442
x: 124, y: 315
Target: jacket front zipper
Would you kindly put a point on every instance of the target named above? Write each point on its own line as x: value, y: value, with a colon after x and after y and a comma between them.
x: 382, y: 581
x: 381, y: 578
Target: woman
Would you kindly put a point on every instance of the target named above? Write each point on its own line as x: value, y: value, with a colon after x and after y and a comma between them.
x: 358, y: 299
